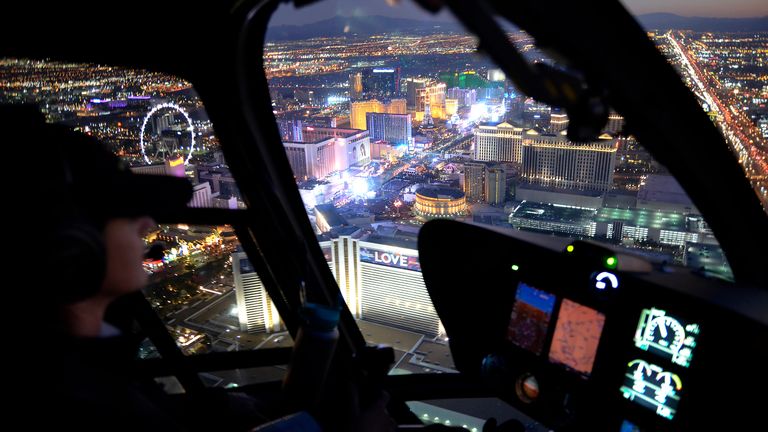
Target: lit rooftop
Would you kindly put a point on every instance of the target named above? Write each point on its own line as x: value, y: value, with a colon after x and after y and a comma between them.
x: 643, y: 218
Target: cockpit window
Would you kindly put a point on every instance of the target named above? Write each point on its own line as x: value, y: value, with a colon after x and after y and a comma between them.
x: 201, y: 282
x: 723, y: 60
x: 155, y: 122
x: 390, y: 117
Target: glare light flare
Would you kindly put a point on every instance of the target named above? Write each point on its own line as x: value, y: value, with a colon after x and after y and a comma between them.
x: 360, y: 186
x: 209, y: 290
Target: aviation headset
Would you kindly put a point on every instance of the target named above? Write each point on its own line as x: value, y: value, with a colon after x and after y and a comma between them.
x: 79, y: 186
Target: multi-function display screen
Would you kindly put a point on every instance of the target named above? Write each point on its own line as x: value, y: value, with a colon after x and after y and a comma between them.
x: 530, y: 317
x: 577, y: 334
x: 650, y: 386
x: 666, y: 336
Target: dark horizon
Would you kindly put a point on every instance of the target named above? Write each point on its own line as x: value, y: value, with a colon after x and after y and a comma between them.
x: 430, y: 19
x: 368, y: 25
x: 288, y: 15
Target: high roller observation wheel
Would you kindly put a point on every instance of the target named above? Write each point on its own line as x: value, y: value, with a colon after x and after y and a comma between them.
x: 156, y: 108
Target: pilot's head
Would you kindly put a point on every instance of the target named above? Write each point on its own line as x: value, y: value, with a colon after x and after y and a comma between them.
x: 84, y: 213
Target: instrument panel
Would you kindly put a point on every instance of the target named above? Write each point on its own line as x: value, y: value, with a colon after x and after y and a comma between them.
x: 573, y: 339
x: 667, y: 336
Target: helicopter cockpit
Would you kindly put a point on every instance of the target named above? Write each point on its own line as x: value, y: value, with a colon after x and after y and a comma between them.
x: 530, y: 203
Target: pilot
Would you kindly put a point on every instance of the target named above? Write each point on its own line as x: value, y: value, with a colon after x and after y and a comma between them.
x: 78, y: 240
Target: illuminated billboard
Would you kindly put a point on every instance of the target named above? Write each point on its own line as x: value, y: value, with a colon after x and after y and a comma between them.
x: 390, y: 259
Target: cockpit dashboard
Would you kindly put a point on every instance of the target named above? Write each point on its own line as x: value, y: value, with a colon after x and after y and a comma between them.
x: 583, y: 337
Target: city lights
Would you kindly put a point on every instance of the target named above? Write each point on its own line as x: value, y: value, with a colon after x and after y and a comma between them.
x: 384, y: 132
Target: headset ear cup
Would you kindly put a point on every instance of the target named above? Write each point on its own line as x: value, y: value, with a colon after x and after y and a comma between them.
x: 80, y: 265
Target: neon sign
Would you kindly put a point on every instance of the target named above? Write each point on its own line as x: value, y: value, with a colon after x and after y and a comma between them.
x: 390, y: 259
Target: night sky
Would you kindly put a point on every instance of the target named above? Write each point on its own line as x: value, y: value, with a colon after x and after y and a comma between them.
x: 406, y: 9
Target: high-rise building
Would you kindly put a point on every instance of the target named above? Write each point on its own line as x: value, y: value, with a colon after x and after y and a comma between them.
x: 255, y: 310
x: 412, y: 85
x: 396, y: 106
x: 495, y: 185
x: 381, y: 82
x: 451, y: 106
x: 359, y: 109
x: 615, y: 123
x: 312, y: 159
x: 490, y: 93
x: 291, y: 124
x: 355, y: 85
x: 485, y: 182
x: 380, y: 280
x: 551, y: 160
x: 221, y: 180
x: 499, y: 143
x: 290, y: 130
x: 327, y: 149
x: 558, y: 121
x: 474, y: 181
x: 352, y: 145
x: 162, y: 122
x: 394, y: 128
x: 465, y: 97
x: 201, y: 196
x: 434, y: 96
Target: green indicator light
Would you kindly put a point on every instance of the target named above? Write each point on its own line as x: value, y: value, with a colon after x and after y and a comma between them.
x: 610, y: 262
x: 515, y: 267
x: 569, y: 248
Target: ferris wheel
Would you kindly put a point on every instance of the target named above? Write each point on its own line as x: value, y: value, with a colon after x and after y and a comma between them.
x: 163, y: 149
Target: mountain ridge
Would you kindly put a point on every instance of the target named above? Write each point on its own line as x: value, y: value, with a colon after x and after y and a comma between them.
x: 372, y: 25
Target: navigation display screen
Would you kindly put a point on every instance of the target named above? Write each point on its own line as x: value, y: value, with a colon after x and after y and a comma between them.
x: 530, y: 316
x: 650, y: 386
x: 577, y: 334
x: 666, y: 336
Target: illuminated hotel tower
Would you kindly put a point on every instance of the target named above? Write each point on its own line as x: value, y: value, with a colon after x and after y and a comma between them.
x: 393, y: 128
x: 474, y: 181
x: 434, y: 96
x: 358, y: 110
x: 615, y: 123
x: 346, y: 267
x: 552, y: 160
x: 255, y: 310
x: 382, y: 283
x: 499, y: 143
x: 355, y: 85
x: 495, y: 185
